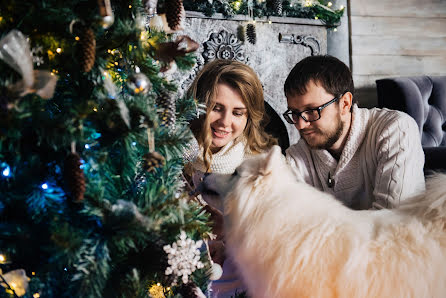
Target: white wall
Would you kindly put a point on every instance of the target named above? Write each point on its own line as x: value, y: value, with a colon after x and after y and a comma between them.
x: 395, y: 38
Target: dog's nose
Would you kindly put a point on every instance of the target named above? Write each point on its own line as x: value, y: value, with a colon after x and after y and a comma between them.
x: 204, y: 176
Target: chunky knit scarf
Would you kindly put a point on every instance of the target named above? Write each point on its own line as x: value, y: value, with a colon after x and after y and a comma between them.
x: 224, y: 161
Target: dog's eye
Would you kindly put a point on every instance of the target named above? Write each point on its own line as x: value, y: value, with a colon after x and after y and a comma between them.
x: 235, y: 173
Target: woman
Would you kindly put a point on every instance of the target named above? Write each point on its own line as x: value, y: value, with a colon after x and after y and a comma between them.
x: 230, y: 132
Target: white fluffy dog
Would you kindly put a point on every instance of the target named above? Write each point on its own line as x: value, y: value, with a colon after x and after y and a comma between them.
x: 290, y: 240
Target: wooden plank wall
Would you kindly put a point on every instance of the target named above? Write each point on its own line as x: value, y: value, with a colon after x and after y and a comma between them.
x: 395, y: 38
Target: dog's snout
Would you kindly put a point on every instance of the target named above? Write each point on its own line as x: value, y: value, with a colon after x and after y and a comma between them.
x: 204, y: 176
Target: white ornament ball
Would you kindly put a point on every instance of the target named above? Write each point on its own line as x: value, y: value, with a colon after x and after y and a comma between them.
x: 107, y: 21
x: 217, y: 272
x: 156, y: 23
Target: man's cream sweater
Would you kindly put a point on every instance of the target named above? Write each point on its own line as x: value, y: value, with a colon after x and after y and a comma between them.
x: 380, y: 165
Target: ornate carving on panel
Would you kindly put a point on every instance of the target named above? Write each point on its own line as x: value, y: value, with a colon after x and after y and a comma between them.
x: 223, y: 45
x: 305, y: 40
x: 191, y: 77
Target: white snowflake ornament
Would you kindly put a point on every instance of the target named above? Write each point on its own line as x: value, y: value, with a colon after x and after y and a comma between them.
x: 183, y: 256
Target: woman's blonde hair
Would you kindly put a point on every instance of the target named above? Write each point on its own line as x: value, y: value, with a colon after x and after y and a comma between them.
x: 242, y: 78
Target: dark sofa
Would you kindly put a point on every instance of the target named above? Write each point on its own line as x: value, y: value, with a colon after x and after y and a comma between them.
x: 423, y: 98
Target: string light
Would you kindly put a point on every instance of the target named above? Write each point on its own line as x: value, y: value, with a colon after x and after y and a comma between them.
x: 44, y: 186
x: 335, y: 29
x: 59, y: 50
x: 342, y: 7
x: 130, y: 6
x: 6, y: 171
x: 316, y: 18
x: 87, y: 146
x: 95, y: 109
x: 237, y: 5
x: 329, y: 4
x: 2, y: 258
x: 77, y: 38
x: 36, y: 295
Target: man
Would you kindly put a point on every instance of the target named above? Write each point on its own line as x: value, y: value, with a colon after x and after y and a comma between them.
x: 366, y: 158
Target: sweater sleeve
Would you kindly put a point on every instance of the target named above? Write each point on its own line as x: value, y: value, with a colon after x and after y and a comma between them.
x: 400, y: 160
x: 298, y: 161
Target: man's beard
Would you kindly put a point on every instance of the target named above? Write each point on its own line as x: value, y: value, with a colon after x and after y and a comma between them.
x: 330, y: 138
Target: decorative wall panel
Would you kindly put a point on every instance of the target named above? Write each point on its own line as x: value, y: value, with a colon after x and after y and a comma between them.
x: 271, y: 57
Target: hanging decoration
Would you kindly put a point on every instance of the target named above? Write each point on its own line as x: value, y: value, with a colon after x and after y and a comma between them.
x: 15, y: 51
x: 150, y: 7
x: 138, y: 83
x: 175, y: 14
x: 251, y: 33
x: 74, y: 176
x: 241, y: 33
x: 183, y: 257
x: 277, y: 6
x: 168, y: 51
x: 167, y: 103
x: 87, y: 53
x: 153, y: 159
x: 156, y: 23
x: 105, y: 10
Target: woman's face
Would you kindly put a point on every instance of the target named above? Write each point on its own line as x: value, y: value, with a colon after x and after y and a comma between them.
x: 228, y: 118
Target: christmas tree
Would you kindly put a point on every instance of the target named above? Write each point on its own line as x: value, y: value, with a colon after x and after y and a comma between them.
x: 92, y: 199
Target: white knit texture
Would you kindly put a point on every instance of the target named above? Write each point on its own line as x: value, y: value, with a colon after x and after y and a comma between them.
x: 226, y: 160
x: 380, y: 165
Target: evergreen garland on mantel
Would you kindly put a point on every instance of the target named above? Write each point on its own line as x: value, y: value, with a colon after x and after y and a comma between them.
x: 309, y: 9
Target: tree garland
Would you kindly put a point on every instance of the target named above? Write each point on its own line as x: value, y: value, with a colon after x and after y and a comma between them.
x: 309, y: 9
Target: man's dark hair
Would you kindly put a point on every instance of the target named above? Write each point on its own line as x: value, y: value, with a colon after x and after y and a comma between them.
x: 326, y: 71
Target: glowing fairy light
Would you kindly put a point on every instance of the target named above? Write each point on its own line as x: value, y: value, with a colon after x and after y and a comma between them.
x: 6, y: 171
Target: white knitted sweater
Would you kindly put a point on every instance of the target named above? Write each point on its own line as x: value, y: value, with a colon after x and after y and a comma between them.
x: 380, y: 165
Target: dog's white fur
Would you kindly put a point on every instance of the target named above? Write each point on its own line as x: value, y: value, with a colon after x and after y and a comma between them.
x: 290, y: 240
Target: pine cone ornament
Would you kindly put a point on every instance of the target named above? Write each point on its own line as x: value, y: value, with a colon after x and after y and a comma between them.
x: 153, y: 160
x: 74, y: 177
x: 168, y: 105
x: 174, y: 13
x: 241, y: 33
x: 87, y: 49
x: 277, y: 4
x: 251, y: 33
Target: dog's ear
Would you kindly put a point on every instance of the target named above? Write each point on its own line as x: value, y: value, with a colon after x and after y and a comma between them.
x: 272, y: 157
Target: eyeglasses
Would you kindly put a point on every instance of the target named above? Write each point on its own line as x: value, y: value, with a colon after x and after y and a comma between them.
x: 309, y: 115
